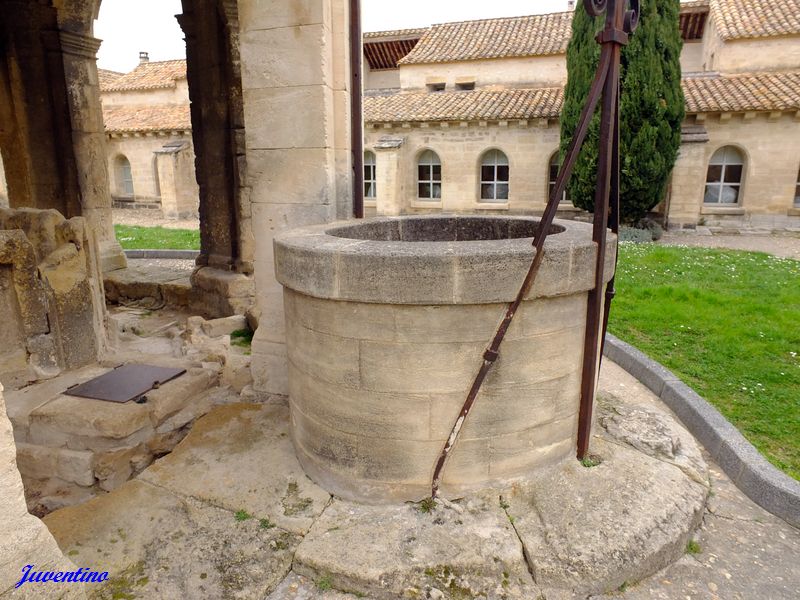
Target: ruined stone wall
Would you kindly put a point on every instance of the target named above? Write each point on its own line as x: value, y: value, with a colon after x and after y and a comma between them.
x: 53, y: 310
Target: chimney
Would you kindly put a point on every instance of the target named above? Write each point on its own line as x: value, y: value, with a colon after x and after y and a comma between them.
x: 144, y: 57
x: 570, y: 4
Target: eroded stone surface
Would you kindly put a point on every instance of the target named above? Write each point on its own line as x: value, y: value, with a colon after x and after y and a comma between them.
x: 464, y: 550
x: 156, y: 544
x: 240, y: 457
x: 594, y: 529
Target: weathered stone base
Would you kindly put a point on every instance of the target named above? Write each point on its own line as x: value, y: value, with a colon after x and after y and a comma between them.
x: 217, y: 293
x: 69, y: 449
x: 233, y: 503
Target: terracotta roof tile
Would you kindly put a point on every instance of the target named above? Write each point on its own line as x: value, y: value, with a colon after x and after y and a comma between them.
x: 395, y: 33
x: 107, y: 77
x: 746, y: 92
x: 534, y: 35
x: 476, y: 105
x: 149, y: 76
x: 736, y: 93
x: 127, y: 119
x: 736, y: 19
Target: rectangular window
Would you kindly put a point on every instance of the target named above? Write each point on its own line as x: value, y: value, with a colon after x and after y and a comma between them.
x: 436, y: 87
x: 466, y: 86
x: 797, y: 191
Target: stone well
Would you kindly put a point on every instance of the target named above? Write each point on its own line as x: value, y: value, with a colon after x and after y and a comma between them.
x: 386, y: 323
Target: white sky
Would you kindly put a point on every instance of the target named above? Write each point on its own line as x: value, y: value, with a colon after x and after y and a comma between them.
x: 127, y: 27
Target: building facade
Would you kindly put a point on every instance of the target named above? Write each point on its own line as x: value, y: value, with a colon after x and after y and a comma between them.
x: 149, y: 137
x: 465, y: 116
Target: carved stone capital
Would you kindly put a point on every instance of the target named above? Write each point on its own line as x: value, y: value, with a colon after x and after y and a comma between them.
x: 76, y: 44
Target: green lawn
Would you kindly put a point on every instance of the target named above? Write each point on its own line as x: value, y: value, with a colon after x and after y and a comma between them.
x: 728, y: 324
x: 157, y: 238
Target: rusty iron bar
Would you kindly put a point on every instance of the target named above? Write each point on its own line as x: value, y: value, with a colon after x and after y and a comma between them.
x: 606, y: 78
x: 356, y: 108
x: 619, y: 24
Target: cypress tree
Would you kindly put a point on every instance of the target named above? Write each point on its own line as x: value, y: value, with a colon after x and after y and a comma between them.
x: 651, y: 107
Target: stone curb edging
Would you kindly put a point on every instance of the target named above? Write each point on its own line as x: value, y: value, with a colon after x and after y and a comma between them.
x: 763, y: 483
x: 166, y: 254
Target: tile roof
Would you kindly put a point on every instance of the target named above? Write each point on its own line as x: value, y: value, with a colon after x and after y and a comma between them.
x: 369, y: 35
x: 736, y: 19
x: 107, y: 77
x: 128, y: 119
x: 148, y: 76
x: 730, y: 93
x: 533, y: 35
x: 743, y: 93
x: 478, y: 105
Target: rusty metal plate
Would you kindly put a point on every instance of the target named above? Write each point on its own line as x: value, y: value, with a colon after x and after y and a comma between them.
x: 125, y: 383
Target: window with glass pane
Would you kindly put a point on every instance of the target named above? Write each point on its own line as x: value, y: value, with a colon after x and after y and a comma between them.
x: 555, y: 165
x: 124, y: 176
x: 797, y: 191
x: 370, y: 178
x: 724, y: 178
x: 429, y: 176
x: 495, y: 176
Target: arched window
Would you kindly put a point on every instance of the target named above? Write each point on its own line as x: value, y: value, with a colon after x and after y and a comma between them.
x: 797, y: 190
x: 429, y: 176
x: 124, y: 176
x: 552, y: 176
x: 156, y: 180
x: 494, y: 177
x: 370, y: 179
x: 724, y: 179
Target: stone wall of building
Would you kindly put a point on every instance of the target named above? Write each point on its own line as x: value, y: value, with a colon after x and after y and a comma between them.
x: 142, y: 150
x: 529, y: 147
x: 173, y: 95
x: 531, y: 71
x: 750, y: 54
x: 772, y: 159
x: 384, y: 79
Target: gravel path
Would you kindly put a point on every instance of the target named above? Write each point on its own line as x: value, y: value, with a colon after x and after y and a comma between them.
x: 785, y: 246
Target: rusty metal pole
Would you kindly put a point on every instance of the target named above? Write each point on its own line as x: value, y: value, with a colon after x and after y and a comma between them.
x: 619, y: 23
x: 357, y: 108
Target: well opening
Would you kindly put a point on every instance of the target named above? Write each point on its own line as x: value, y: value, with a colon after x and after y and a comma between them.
x: 442, y: 229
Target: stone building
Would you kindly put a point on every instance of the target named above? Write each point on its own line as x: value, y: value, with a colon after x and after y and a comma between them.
x: 149, y: 144
x: 465, y: 116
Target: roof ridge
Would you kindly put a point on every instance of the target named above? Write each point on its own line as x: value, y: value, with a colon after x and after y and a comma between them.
x: 490, y: 19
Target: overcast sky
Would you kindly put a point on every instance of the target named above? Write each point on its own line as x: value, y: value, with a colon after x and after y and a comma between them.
x: 127, y: 27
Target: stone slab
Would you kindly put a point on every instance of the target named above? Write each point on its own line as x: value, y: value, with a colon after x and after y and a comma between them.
x: 155, y: 544
x: 592, y: 530
x: 464, y: 550
x: 240, y: 457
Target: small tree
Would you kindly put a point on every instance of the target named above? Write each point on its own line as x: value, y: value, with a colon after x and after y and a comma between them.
x: 651, y: 107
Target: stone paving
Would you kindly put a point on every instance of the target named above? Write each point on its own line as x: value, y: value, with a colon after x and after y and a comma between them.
x: 785, y: 246
x: 225, y: 513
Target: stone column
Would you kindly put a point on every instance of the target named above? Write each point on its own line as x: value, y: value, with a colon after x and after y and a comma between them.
x: 24, y: 539
x: 295, y: 81
x: 390, y: 182
x: 89, y: 143
x: 223, y: 282
x: 35, y: 130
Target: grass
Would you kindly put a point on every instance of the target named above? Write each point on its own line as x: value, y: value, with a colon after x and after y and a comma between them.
x: 728, y: 324
x: 692, y: 547
x: 242, y: 515
x: 132, y: 237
